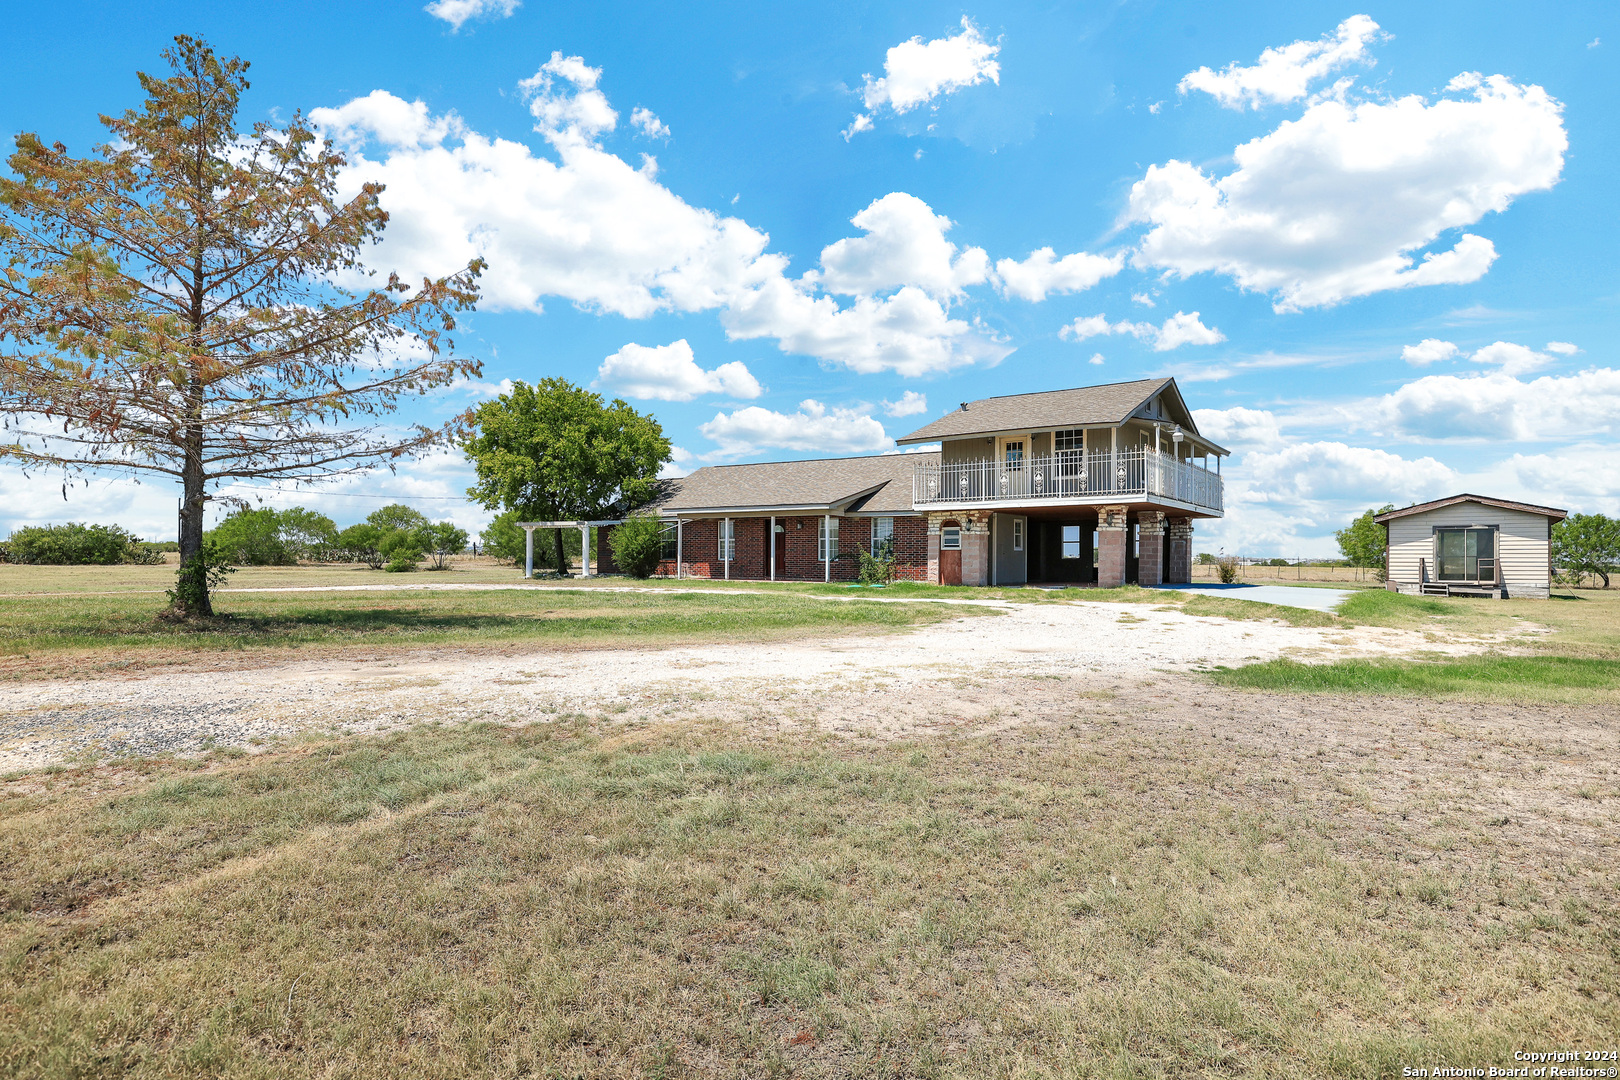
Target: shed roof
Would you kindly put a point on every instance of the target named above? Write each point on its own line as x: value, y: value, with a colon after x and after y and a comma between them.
x: 869, y: 485
x: 1484, y: 500
x: 1109, y: 404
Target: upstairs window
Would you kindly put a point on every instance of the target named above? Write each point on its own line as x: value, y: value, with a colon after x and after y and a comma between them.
x: 1064, y: 442
x: 1013, y: 454
x: 882, y: 537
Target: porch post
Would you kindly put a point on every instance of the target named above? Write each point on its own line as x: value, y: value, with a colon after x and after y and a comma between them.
x: 1113, y: 465
x: 680, y: 555
x: 770, y: 538
x: 1180, y: 539
x: 727, y: 539
x: 826, y: 524
x: 528, y: 551
x: 585, y: 550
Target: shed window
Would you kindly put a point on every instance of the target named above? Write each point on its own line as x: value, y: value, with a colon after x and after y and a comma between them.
x: 1018, y: 534
x: 1459, y: 553
x: 950, y: 539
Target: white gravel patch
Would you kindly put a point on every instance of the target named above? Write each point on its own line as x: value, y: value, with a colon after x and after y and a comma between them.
x: 168, y: 712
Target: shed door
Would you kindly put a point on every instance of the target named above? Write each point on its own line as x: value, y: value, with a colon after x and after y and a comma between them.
x: 950, y: 553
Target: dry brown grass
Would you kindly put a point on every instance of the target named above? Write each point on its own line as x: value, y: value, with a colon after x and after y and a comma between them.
x: 1150, y: 883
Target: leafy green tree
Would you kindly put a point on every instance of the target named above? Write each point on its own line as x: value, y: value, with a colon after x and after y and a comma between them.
x: 74, y: 544
x: 556, y: 452
x: 1586, y: 545
x: 403, y: 548
x: 638, y: 544
x: 174, y: 304
x: 307, y: 534
x: 502, y: 539
x: 396, y: 516
x: 362, y: 543
x: 1206, y: 558
x: 252, y: 538
x: 1362, y: 542
x: 442, y: 540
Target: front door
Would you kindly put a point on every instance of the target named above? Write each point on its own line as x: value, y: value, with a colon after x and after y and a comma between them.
x: 950, y: 553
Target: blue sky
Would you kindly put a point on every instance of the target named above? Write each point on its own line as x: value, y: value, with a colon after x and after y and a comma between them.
x: 1378, y: 256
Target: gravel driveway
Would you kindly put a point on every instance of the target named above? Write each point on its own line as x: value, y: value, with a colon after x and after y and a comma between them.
x: 888, y: 684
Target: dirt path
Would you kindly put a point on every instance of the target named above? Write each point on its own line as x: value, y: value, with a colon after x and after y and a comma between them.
x: 892, y: 684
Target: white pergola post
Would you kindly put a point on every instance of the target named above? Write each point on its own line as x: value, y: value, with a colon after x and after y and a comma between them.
x: 680, y: 555
x: 528, y: 551
x: 771, y: 539
x: 826, y: 524
x: 726, y: 545
x: 585, y: 549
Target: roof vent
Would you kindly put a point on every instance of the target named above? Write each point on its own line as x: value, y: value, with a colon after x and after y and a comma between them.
x: 964, y: 406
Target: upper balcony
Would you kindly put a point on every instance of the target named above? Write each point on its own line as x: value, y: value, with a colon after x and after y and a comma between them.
x: 1078, y: 477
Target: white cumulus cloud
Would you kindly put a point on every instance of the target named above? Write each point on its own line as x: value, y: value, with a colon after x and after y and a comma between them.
x: 1043, y: 273
x: 1337, y: 203
x: 1510, y: 358
x: 1285, y: 73
x: 456, y: 12
x: 1495, y: 407
x: 904, y: 245
x: 910, y: 404
x: 590, y: 228
x: 813, y: 428
x: 1239, y: 426
x: 671, y: 373
x: 1179, y: 329
x: 1563, y: 348
x: 915, y: 72
x: 647, y: 122
x: 1428, y: 351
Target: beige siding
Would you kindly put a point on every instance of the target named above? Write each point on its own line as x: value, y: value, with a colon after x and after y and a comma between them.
x: 953, y: 451
x: 1521, y: 541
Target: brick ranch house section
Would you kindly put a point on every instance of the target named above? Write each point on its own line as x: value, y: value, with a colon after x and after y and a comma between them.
x: 1098, y: 485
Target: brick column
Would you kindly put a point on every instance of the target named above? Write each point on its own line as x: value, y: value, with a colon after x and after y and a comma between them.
x: 1113, y: 531
x: 975, y: 547
x: 1180, y: 539
x: 933, y: 548
x: 1150, y: 548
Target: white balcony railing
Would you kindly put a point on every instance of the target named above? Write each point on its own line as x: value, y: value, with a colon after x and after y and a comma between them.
x: 1094, y: 475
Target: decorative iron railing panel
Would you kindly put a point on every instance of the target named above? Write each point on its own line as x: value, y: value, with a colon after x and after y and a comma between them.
x: 1096, y: 474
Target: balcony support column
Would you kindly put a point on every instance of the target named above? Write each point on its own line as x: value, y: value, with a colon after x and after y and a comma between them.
x: 1150, y: 548
x: 1179, y: 537
x: 1113, y: 535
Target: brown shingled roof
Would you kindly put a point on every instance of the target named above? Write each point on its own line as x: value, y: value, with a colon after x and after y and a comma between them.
x: 1506, y: 504
x: 883, y: 484
x: 1108, y: 404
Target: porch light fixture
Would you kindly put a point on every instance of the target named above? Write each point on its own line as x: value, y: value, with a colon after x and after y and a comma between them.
x: 1175, y: 436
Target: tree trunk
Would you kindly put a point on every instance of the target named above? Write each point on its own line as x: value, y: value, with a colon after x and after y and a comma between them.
x: 562, y: 560
x: 195, y: 601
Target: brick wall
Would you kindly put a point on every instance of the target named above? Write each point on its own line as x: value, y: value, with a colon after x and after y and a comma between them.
x: 911, y: 548
x: 1113, y: 546
x: 1150, y: 547
x: 797, y: 561
x: 1180, y: 540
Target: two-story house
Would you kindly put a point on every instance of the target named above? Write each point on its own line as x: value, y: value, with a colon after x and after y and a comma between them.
x: 1097, y: 485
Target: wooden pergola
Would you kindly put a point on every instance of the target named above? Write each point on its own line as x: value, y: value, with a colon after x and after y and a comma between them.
x: 584, y: 528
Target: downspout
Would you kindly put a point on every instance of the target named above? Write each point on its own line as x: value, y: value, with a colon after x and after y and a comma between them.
x: 771, y: 540
x: 826, y: 525
x: 680, y: 555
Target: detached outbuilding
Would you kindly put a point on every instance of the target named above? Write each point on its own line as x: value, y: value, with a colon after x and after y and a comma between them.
x: 1470, y: 545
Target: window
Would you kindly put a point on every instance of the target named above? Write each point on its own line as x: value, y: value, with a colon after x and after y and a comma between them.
x: 1066, y: 441
x: 1018, y: 534
x: 882, y: 537
x: 822, y: 552
x: 1458, y: 553
x: 669, y: 542
x: 950, y: 539
x: 1071, y: 542
x: 1013, y: 453
x: 728, y: 539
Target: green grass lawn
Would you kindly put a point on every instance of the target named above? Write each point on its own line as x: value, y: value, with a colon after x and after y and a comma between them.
x: 52, y: 634
x: 561, y: 901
